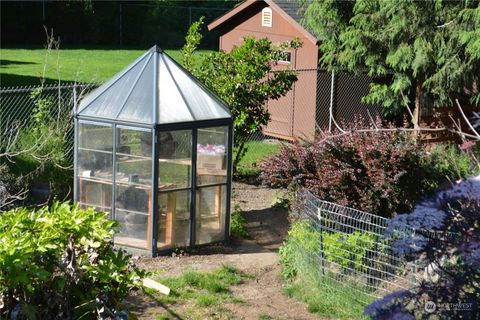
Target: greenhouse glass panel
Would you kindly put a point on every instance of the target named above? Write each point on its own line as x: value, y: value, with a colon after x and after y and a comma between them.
x: 174, y: 159
x: 210, y: 214
x: 172, y: 106
x: 94, y: 165
x: 174, y: 219
x: 138, y: 107
x: 212, y: 144
x: 133, y: 186
x: 104, y: 102
x: 199, y: 100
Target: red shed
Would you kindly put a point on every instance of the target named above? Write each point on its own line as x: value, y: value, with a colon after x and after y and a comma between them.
x: 316, y: 93
x: 278, y: 21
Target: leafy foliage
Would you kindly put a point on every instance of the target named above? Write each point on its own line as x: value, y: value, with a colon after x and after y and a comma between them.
x: 59, y: 262
x: 454, y: 164
x: 301, y: 235
x: 243, y: 78
x: 451, y: 254
x: 383, y: 172
x: 238, y: 224
x: 300, y: 267
x: 348, y: 250
x: 39, y: 154
x: 430, y: 48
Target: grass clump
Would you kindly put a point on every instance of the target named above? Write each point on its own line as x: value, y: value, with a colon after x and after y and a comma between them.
x: 238, y: 224
x: 205, y: 289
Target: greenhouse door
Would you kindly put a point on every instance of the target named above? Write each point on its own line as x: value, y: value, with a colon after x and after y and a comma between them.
x: 174, y: 188
x: 211, y: 184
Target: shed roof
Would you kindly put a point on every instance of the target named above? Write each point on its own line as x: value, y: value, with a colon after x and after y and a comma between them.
x: 154, y: 89
x: 289, y: 9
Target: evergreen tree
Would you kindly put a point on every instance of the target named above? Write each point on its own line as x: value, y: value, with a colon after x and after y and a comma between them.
x: 430, y: 49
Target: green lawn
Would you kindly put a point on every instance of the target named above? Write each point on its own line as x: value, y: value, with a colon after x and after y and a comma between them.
x: 19, y: 67
x: 256, y: 152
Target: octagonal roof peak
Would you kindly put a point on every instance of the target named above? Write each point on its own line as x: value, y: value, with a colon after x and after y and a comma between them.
x: 154, y: 89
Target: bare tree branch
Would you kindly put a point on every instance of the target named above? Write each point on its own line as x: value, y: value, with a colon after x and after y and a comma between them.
x: 466, y: 119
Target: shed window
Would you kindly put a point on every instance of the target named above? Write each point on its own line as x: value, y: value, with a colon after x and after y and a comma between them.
x: 282, y: 56
x: 267, y: 17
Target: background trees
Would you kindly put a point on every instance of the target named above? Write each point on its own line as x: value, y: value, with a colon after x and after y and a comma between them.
x: 430, y: 49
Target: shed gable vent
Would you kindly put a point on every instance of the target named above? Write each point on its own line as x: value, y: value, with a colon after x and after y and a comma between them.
x: 267, y: 17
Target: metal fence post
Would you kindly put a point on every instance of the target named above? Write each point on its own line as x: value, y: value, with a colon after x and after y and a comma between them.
x: 322, y: 255
x: 330, y: 108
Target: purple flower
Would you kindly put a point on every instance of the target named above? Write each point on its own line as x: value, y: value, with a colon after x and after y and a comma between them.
x: 399, y: 315
x: 471, y: 254
x: 409, y: 244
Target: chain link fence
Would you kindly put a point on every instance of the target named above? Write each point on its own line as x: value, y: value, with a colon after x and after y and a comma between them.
x: 318, y: 101
x: 19, y: 106
x: 354, y: 251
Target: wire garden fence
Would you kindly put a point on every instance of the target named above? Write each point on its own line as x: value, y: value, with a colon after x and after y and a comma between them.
x: 353, y: 254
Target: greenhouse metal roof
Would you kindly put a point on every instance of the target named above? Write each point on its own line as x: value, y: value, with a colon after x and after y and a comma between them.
x: 153, y: 90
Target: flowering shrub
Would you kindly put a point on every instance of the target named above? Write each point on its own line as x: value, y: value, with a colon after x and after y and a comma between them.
x: 446, y: 241
x: 383, y: 172
x: 59, y: 263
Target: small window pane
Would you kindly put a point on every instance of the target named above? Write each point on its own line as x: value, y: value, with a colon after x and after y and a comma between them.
x: 174, y: 219
x: 175, y: 159
x: 212, y: 155
x: 94, y: 166
x: 133, y: 230
x: 134, y: 157
x: 210, y: 214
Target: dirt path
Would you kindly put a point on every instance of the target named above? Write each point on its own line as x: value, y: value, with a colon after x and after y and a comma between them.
x: 261, y: 297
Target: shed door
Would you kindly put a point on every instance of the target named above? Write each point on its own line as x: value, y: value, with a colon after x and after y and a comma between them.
x: 281, y: 116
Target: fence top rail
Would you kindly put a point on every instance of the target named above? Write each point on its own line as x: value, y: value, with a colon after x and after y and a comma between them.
x: 357, y: 213
x: 50, y: 86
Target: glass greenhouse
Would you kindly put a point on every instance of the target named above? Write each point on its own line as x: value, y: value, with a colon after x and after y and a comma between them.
x: 153, y: 147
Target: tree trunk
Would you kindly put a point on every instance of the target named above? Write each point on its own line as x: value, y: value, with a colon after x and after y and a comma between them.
x: 418, y: 104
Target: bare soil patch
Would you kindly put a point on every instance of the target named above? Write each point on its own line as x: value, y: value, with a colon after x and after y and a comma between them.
x: 258, y: 298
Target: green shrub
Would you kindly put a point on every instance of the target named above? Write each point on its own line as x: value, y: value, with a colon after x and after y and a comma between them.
x: 59, y: 262
x: 238, y: 224
x: 302, y: 236
x: 348, y: 250
x: 452, y: 163
x: 306, y: 280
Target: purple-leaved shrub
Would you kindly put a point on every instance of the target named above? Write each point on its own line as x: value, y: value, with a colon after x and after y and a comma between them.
x: 442, y: 235
x: 383, y: 172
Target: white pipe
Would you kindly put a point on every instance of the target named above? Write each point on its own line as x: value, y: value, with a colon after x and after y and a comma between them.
x: 330, y: 111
